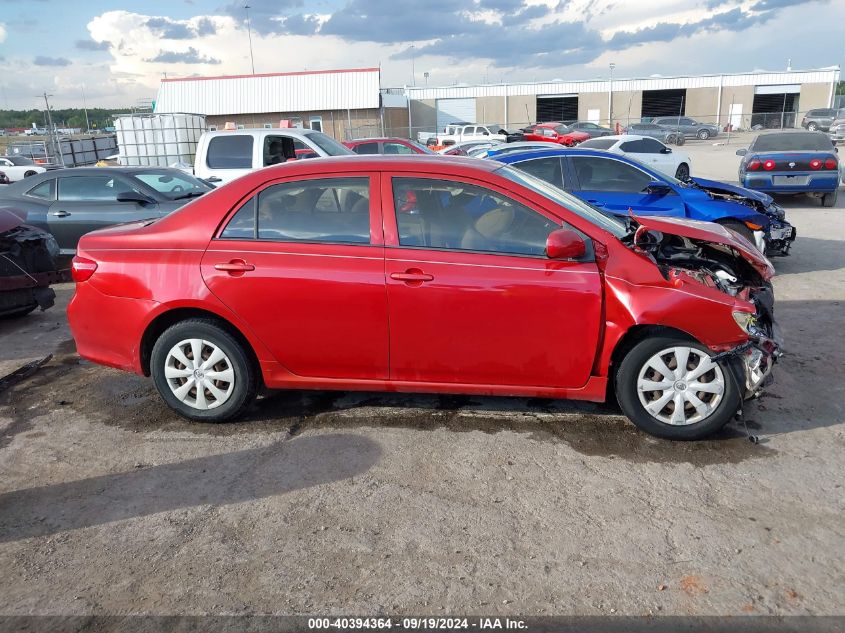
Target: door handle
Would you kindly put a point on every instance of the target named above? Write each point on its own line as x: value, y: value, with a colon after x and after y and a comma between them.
x: 412, y: 277
x: 234, y: 267
x: 60, y: 214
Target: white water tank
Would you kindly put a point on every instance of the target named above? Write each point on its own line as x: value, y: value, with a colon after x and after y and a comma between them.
x: 158, y: 139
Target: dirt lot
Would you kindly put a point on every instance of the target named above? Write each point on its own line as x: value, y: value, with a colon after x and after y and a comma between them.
x: 365, y: 503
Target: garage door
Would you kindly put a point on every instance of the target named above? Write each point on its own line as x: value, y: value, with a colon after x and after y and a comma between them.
x: 452, y: 110
x: 557, y: 108
x: 657, y: 103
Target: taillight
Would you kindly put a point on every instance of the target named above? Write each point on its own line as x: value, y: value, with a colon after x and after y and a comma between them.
x: 815, y: 164
x: 81, y: 268
x: 769, y: 165
x: 831, y: 163
x: 753, y: 164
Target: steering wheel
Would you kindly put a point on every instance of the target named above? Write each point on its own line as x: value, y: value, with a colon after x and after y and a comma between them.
x: 177, y: 189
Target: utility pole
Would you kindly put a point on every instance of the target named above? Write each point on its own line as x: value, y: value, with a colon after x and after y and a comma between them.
x: 249, y: 34
x: 52, y: 132
x: 610, y: 98
x: 413, y: 72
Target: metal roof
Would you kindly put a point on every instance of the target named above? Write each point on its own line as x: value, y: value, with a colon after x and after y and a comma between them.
x: 823, y: 75
x: 351, y: 88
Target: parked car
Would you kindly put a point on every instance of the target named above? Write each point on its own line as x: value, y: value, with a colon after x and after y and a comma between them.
x: 461, y: 133
x: 646, y: 150
x: 71, y: 202
x: 556, y: 133
x: 518, y: 135
x: 4, y: 179
x: 593, y: 129
x: 620, y: 185
x: 27, y: 266
x: 463, y: 148
x: 224, y: 155
x: 669, y: 137
x: 241, y: 288
x: 792, y: 162
x: 821, y: 118
x: 386, y: 146
x: 19, y: 167
x: 36, y: 151
x: 837, y: 130
x: 690, y: 128
x: 511, y: 148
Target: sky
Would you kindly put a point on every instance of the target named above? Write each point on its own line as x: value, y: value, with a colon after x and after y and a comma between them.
x: 113, y: 53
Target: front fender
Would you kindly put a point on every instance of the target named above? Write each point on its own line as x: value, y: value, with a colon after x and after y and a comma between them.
x: 721, y: 210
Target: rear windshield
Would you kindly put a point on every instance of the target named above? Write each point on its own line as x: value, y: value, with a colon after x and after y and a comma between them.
x: 792, y: 142
x: 328, y: 144
x: 599, y: 143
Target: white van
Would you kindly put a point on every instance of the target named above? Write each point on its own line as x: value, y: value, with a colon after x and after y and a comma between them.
x: 225, y: 155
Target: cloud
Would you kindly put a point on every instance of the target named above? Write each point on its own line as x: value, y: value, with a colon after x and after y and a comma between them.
x: 2, y: 32
x: 168, y: 29
x: 91, y: 45
x: 41, y: 60
x: 191, y: 56
x: 266, y: 16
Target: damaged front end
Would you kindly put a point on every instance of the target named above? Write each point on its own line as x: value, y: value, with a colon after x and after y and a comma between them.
x: 777, y: 233
x: 714, y: 257
x: 27, y: 266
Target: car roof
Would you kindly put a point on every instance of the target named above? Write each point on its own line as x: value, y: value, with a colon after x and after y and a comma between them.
x: 546, y: 153
x: 381, y: 162
x: 283, y: 131
x: 380, y: 139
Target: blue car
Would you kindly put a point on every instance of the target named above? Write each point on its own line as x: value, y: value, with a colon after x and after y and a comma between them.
x: 792, y: 162
x: 618, y: 185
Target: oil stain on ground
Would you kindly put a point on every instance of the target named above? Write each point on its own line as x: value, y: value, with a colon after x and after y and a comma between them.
x: 128, y: 401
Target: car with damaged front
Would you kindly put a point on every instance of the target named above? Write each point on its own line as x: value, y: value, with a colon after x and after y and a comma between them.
x: 28, y: 257
x: 428, y: 274
x: 792, y: 163
x: 622, y: 185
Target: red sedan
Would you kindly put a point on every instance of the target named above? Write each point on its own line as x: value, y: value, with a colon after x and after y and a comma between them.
x: 386, y: 146
x: 556, y: 133
x: 427, y: 274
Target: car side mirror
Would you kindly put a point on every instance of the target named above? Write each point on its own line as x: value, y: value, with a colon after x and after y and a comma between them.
x: 666, y: 150
x: 658, y: 188
x: 134, y: 196
x: 741, y: 152
x: 565, y: 244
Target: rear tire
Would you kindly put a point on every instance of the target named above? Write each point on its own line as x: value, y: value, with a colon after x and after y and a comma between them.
x: 829, y: 199
x: 702, y: 413
x: 29, y: 173
x: 703, y: 134
x: 228, y: 384
x: 680, y: 139
x: 682, y: 173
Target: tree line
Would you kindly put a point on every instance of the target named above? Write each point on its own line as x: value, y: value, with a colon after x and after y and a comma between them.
x: 98, y: 118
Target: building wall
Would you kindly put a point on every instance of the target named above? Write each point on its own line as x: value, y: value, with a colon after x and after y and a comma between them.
x: 814, y: 96
x: 737, y: 94
x: 701, y: 104
x: 627, y: 106
x: 490, y: 110
x: 522, y: 111
x: 336, y: 123
x: 423, y: 116
x: 396, y: 122
x: 593, y: 101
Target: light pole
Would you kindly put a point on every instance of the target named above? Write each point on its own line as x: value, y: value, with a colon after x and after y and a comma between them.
x: 249, y: 35
x: 413, y: 72
x: 610, y: 97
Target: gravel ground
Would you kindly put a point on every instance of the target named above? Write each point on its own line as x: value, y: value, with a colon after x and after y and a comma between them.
x: 329, y: 502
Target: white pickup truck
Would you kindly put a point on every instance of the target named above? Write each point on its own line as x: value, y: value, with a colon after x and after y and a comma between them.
x: 461, y: 132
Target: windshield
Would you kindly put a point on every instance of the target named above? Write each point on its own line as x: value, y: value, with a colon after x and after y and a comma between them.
x: 328, y: 144
x: 599, y: 143
x: 563, y: 129
x: 171, y: 184
x: 609, y: 223
x: 792, y: 142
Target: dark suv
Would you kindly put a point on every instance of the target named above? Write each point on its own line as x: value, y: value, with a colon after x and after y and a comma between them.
x: 821, y: 118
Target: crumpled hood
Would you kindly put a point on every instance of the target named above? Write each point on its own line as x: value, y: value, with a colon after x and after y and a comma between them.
x: 710, y: 232
x: 724, y: 187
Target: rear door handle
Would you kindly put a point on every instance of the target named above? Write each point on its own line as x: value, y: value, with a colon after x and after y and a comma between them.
x: 412, y: 276
x: 234, y: 267
x: 60, y: 214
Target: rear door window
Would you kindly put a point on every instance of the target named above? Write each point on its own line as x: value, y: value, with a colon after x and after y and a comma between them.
x: 607, y: 174
x: 366, y: 148
x: 230, y: 152
x: 548, y: 169
x: 45, y: 190
x: 90, y: 188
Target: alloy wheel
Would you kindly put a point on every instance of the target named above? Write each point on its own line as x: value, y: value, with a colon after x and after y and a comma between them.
x: 680, y: 386
x: 199, y: 373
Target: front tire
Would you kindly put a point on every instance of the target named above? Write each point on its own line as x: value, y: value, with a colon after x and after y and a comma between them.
x: 203, y: 372
x: 812, y: 127
x: 829, y: 199
x: 682, y: 173
x: 703, y: 134
x: 669, y: 388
